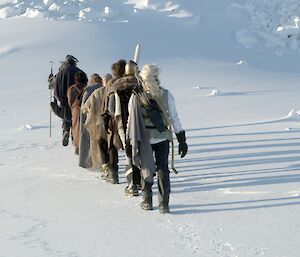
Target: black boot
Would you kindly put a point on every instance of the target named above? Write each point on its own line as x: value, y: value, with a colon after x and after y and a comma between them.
x: 65, y: 140
x: 113, y: 177
x: 147, y: 204
x: 164, y: 207
x: 163, y: 191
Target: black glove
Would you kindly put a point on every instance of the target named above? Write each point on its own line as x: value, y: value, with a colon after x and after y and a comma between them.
x: 50, y: 77
x: 182, y: 147
x: 50, y: 80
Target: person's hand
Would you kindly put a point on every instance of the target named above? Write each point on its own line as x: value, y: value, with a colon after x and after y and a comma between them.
x: 50, y: 77
x: 182, y: 147
x: 50, y: 81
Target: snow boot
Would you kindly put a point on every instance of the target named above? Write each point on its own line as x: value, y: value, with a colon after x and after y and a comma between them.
x: 147, y: 204
x: 131, y: 190
x: 164, y: 209
x: 163, y: 191
x: 65, y: 140
x: 113, y: 177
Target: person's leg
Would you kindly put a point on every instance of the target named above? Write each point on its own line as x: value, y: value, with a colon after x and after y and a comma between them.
x: 84, y: 147
x: 103, y: 146
x: 136, y: 176
x: 133, y: 175
x: 133, y: 179
x: 161, y: 152
x: 147, y: 203
x: 113, y: 166
x: 67, y: 124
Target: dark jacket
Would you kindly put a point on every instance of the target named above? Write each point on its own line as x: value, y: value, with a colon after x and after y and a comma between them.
x: 63, y: 80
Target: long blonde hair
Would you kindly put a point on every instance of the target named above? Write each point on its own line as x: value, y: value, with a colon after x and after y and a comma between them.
x: 149, y: 74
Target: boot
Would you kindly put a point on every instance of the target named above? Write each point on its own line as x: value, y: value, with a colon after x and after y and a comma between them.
x: 164, y: 206
x: 163, y: 191
x: 147, y: 204
x: 65, y: 140
x: 113, y: 177
x: 105, y: 168
x: 131, y: 189
x: 137, y: 179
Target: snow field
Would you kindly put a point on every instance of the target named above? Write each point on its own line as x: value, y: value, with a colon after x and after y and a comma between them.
x: 237, y: 191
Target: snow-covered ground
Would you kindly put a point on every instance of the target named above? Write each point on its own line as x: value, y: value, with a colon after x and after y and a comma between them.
x: 237, y: 193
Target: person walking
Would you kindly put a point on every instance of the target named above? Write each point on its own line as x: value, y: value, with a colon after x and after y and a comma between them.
x: 61, y: 83
x: 159, y: 117
x: 119, y: 93
x: 85, y: 161
x: 98, y: 153
x: 74, y: 95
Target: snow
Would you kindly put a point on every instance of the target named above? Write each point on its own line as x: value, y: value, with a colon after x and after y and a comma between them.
x: 273, y: 23
x: 237, y: 191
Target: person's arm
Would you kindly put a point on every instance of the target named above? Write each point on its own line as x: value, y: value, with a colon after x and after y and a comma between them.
x: 176, y: 124
x: 180, y: 133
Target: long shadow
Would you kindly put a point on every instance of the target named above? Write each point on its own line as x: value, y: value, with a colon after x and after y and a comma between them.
x: 244, y: 134
x: 193, y: 183
x: 191, y: 145
x: 222, y: 207
x: 237, y: 183
x: 218, y: 175
x: 247, y: 147
x: 241, y: 125
x: 237, y: 156
x: 40, y: 127
x: 241, y: 163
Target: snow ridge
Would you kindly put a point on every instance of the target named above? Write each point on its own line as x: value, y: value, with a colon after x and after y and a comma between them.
x: 88, y: 10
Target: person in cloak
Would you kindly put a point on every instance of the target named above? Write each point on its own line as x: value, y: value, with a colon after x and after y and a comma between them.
x: 159, y: 117
x: 61, y: 83
x: 98, y: 153
x: 95, y: 83
x: 74, y: 95
x: 110, y: 171
x: 119, y: 92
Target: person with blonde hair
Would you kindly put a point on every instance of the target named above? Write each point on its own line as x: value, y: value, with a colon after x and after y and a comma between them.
x: 160, y: 118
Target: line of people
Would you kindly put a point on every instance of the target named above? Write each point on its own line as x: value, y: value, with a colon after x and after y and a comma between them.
x: 128, y: 110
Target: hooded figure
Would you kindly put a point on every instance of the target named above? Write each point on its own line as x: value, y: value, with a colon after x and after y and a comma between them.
x: 61, y: 83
